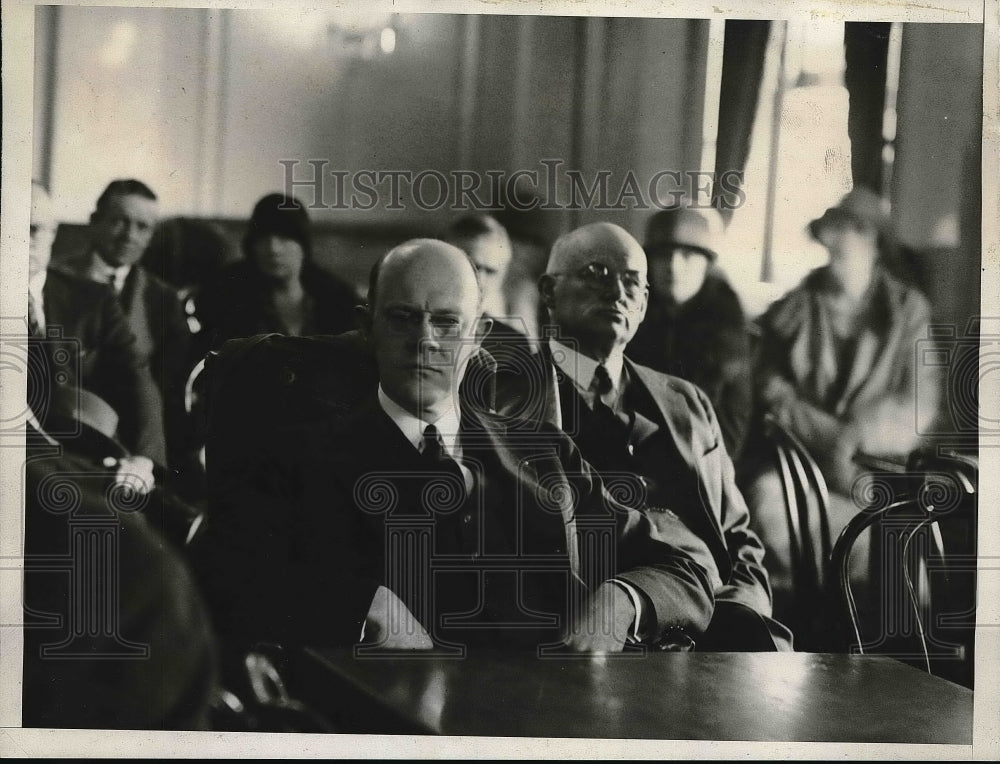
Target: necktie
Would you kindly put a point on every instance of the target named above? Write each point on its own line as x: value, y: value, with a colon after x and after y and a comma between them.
x: 601, y: 383
x: 438, y: 459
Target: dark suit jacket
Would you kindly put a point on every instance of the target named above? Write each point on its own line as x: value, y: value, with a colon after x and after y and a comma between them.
x: 688, y: 416
x: 156, y: 317
x: 295, y: 546
x: 110, y: 363
x: 140, y: 653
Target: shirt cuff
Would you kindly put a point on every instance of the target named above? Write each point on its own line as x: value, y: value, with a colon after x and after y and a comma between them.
x: 636, y: 633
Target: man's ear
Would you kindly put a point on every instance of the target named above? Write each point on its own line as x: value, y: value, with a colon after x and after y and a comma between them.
x: 363, y: 319
x: 546, y: 289
x: 483, y: 326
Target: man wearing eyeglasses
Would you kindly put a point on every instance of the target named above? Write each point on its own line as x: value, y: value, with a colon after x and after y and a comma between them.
x: 527, y: 549
x: 654, y: 438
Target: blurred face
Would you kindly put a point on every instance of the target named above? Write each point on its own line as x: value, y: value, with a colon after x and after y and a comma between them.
x: 43, y: 232
x: 491, y: 255
x: 678, y: 273
x: 278, y: 257
x: 121, y: 230
x: 596, y: 289
x: 423, y: 327
x: 853, y: 250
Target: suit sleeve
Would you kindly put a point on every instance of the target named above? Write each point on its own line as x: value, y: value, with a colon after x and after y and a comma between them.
x: 748, y: 582
x: 130, y: 386
x: 666, y: 563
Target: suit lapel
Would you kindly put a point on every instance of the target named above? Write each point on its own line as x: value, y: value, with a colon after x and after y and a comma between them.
x: 672, y: 407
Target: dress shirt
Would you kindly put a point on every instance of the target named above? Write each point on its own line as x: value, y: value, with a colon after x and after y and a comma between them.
x: 413, y: 428
x: 580, y: 369
x: 36, y: 288
x: 108, y: 274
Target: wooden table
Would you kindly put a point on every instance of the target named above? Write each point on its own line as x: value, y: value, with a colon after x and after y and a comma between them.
x: 695, y: 696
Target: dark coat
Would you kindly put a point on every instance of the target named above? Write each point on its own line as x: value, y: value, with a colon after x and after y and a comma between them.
x: 704, y: 341
x: 163, y: 340
x: 137, y: 652
x: 238, y: 304
x: 107, y: 359
x: 295, y: 546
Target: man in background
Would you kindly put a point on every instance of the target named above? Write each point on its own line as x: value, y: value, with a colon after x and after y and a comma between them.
x: 489, y: 248
x: 121, y: 225
x: 84, y: 319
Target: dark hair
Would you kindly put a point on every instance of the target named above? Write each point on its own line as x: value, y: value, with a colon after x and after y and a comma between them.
x: 474, y: 225
x: 279, y: 215
x: 124, y: 187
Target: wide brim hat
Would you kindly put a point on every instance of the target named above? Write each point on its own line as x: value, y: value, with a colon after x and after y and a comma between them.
x: 861, y: 206
x: 691, y: 228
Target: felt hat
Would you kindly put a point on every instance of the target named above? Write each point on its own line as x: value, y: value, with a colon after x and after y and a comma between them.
x: 692, y: 228
x: 861, y: 206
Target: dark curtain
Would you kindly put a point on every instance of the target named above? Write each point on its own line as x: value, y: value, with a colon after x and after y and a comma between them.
x: 866, y: 47
x: 742, y: 67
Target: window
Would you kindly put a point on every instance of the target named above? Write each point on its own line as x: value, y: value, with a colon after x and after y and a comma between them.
x: 798, y: 165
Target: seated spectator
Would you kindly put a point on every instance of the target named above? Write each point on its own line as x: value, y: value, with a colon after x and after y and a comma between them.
x: 305, y: 551
x: 277, y: 287
x: 838, y: 367
x: 101, y: 355
x: 115, y: 634
x: 120, y: 228
x: 488, y: 246
x: 694, y: 327
x: 651, y: 435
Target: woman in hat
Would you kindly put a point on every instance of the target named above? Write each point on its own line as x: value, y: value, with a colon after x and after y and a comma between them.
x: 277, y: 287
x: 837, y: 365
x: 694, y: 326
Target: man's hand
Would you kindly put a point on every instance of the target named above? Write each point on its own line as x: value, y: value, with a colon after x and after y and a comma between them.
x: 390, y: 625
x: 135, y: 472
x: 605, y: 622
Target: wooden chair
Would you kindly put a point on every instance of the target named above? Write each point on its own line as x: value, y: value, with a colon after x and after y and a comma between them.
x: 925, y: 520
x: 807, y: 504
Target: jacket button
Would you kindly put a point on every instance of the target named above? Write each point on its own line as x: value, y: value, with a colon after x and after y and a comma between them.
x: 467, y: 518
x: 631, y: 449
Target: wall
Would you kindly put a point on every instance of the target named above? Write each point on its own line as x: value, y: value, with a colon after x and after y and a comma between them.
x: 937, y: 177
x: 203, y: 104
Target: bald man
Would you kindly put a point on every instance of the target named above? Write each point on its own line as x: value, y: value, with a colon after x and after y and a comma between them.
x: 334, y: 550
x: 653, y: 437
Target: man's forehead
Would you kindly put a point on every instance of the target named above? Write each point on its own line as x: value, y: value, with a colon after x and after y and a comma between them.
x: 436, y: 289
x: 136, y: 204
x: 609, y: 251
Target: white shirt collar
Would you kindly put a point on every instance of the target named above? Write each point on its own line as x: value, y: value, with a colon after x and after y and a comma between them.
x: 102, y: 272
x: 36, y: 288
x: 580, y: 368
x: 413, y: 427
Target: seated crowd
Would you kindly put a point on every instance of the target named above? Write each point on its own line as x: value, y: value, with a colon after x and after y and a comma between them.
x: 423, y: 475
